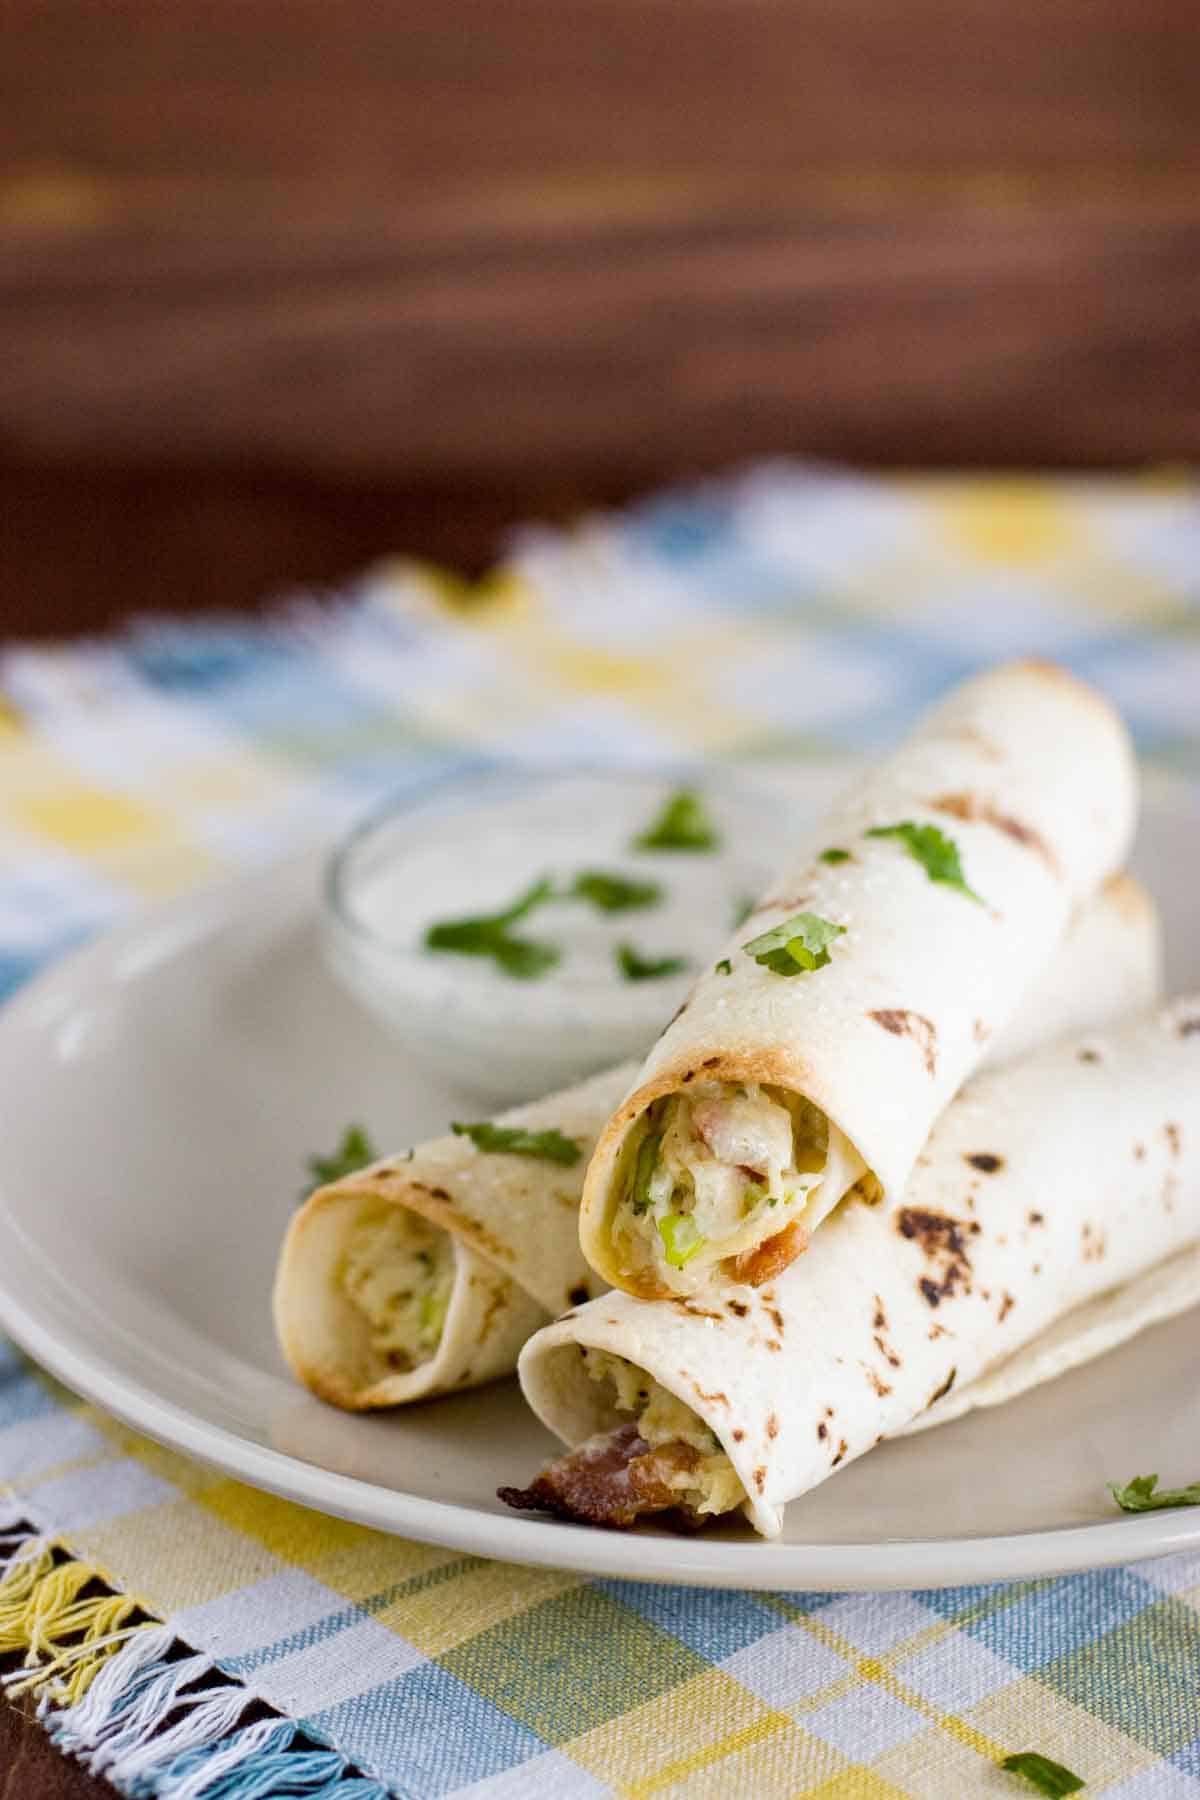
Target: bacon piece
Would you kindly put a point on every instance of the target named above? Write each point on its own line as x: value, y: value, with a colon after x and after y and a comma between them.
x: 769, y: 1258
x: 613, y: 1479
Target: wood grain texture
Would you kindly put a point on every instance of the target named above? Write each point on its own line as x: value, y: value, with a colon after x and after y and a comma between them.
x: 286, y: 284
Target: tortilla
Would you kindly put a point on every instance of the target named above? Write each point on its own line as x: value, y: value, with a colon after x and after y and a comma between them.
x: 500, y: 1232
x: 1049, y: 1185
x: 874, y: 983
x: 502, y: 1229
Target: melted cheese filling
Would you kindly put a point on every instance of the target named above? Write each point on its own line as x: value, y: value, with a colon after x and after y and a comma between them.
x: 713, y: 1485
x: 397, y: 1270
x: 718, y: 1171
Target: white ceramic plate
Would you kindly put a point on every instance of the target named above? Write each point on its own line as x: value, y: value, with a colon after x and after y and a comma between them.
x: 158, y: 1093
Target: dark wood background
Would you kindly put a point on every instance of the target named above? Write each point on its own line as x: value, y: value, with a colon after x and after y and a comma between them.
x: 286, y: 284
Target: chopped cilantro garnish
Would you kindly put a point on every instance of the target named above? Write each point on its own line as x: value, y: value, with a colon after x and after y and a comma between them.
x: 681, y: 1240
x: 613, y: 893
x: 936, y: 853
x: 724, y: 967
x: 354, y: 1152
x: 643, y: 1171
x: 796, y: 947
x: 683, y: 824
x: 834, y: 855
x: 1046, y: 1776
x: 513, y: 1140
x: 489, y: 935
x: 635, y: 967
x: 1143, y: 1494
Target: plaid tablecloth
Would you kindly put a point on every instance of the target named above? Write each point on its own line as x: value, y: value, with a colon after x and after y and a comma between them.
x: 784, y: 611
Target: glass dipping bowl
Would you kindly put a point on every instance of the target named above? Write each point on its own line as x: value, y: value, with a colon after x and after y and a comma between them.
x: 470, y: 844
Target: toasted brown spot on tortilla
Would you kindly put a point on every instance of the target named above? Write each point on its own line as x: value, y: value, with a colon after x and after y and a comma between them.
x: 498, y: 1294
x: 440, y: 1193
x: 1174, y: 1137
x: 868, y: 1189
x: 769, y: 1258
x: 710, y: 1062
x: 971, y: 734
x: 879, y: 1322
x: 689, y: 1306
x: 1036, y: 1218
x: 986, y: 1161
x: 1006, y: 1305
x: 760, y: 1479
x: 690, y: 1076
x: 1139, y: 1152
x: 842, y: 1448
x: 939, y: 1392
x: 981, y: 1032
x: 903, y: 1023
x: 822, y: 1429
x: 737, y: 1435
x: 1088, y: 1056
x: 774, y: 1344
x: 877, y: 1382
x: 1095, y: 1244
x: 971, y: 806
x: 738, y: 1308
x: 578, y: 1294
x: 772, y: 1425
x: 718, y: 1399
x: 776, y: 1318
x: 885, y: 1350
x: 935, y: 1232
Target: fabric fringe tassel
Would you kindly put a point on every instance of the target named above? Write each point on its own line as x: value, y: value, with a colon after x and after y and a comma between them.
x: 119, y: 1692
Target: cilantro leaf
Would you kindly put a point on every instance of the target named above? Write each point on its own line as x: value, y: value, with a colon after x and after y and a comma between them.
x: 1143, y: 1494
x: 724, y: 967
x: 513, y: 1140
x: 936, y: 853
x: 635, y: 967
x: 353, y: 1153
x: 798, y: 946
x: 643, y: 1171
x: 834, y: 855
x: 613, y: 893
x: 1046, y: 1776
x: 683, y: 824
x: 488, y: 934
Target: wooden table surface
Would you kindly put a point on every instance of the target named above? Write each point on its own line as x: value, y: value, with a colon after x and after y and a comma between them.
x: 285, y: 285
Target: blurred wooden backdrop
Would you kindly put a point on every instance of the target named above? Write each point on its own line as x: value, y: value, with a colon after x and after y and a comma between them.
x: 288, y: 283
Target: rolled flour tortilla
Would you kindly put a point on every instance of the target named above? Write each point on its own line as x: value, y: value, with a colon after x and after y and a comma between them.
x: 1046, y: 1185
x: 823, y: 1041
x: 428, y: 1272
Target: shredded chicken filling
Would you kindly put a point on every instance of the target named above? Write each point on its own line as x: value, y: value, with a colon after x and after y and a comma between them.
x: 714, y: 1174
x: 662, y: 1459
x: 397, y: 1270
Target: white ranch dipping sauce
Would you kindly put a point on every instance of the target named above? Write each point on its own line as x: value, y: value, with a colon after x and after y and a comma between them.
x: 472, y: 848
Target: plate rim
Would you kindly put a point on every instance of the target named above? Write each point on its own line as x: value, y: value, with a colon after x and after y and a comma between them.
x: 873, y: 1564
